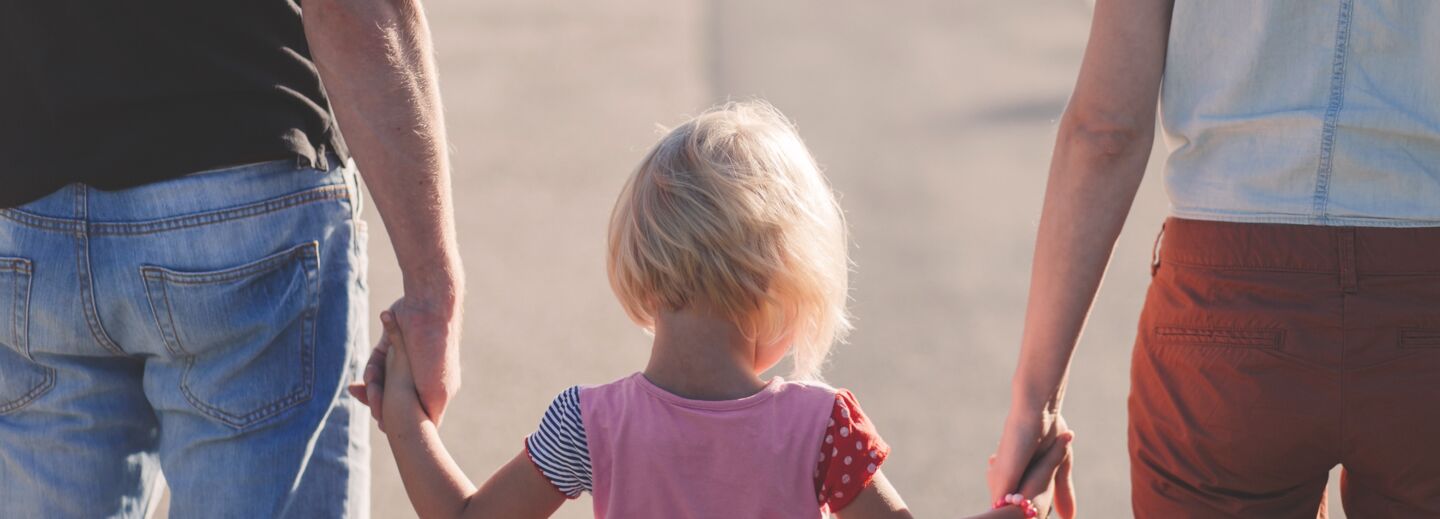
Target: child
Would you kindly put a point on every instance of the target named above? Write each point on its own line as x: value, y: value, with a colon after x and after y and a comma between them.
x: 728, y: 245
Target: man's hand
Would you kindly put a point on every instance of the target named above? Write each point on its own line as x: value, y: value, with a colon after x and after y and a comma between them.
x: 377, y: 64
x: 1028, y: 438
x: 432, y: 334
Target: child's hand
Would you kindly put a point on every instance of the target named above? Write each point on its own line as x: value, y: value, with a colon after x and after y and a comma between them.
x: 1051, y: 469
x: 370, y: 390
x: 387, y: 357
x: 400, y: 400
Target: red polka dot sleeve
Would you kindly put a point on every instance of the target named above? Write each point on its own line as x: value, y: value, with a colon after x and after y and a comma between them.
x: 850, y: 454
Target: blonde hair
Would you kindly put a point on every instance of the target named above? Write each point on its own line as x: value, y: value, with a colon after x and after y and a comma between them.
x: 731, y: 210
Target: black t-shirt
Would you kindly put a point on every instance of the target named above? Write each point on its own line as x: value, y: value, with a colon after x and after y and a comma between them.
x: 119, y: 93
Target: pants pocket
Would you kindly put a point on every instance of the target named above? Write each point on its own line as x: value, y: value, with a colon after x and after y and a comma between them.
x: 1415, y: 338
x: 1256, y: 338
x: 246, y: 334
x: 21, y: 379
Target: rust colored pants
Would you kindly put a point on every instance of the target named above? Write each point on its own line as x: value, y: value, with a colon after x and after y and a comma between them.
x: 1268, y: 354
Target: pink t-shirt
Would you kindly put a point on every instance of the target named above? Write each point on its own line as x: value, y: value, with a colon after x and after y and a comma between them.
x: 788, y: 451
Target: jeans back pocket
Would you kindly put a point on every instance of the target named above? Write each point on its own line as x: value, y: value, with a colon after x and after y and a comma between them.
x: 246, y: 334
x: 21, y: 379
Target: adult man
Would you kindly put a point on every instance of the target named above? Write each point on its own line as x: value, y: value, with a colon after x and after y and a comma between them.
x: 181, y: 255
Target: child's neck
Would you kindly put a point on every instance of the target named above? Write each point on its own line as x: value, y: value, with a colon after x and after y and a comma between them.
x: 699, y: 356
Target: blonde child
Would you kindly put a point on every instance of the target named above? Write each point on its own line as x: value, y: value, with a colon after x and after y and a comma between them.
x: 728, y: 245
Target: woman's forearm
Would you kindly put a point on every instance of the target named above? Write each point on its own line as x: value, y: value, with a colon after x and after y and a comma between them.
x: 1094, y: 176
x: 1100, y: 154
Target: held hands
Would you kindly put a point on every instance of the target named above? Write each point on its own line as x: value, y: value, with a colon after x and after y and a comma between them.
x: 433, y: 328
x: 393, y: 394
x: 1029, y: 441
x: 1050, y: 469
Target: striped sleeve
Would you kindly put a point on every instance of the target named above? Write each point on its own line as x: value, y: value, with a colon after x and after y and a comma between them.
x: 558, y: 447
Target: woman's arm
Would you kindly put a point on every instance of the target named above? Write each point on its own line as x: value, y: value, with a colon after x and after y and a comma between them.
x: 1100, y: 154
x: 434, y: 482
x: 880, y: 500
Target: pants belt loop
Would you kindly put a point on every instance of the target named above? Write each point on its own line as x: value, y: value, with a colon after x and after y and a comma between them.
x: 1349, y: 279
x: 1155, y: 251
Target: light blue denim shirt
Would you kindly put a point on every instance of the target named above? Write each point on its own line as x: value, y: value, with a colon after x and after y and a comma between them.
x: 1322, y: 112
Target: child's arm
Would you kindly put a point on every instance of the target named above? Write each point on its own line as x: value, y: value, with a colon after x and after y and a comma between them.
x: 436, y: 485
x: 880, y: 500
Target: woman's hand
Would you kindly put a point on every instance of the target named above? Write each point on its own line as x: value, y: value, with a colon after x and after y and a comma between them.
x: 1027, y: 457
x: 1049, y: 477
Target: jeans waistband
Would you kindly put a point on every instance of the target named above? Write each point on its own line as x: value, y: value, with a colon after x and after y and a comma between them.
x: 1301, y: 248
x: 253, y: 187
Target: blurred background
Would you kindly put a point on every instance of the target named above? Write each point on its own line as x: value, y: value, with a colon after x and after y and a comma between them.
x: 934, y: 121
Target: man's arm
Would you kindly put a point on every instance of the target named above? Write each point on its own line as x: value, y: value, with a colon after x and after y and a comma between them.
x: 375, y: 59
x: 1100, y: 154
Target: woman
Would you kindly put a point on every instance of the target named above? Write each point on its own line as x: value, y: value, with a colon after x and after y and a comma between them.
x: 1293, y: 319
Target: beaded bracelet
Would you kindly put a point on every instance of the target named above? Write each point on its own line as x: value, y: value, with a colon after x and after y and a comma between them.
x: 1026, y: 507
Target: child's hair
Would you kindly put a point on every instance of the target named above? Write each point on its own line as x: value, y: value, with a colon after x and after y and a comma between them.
x: 730, y: 209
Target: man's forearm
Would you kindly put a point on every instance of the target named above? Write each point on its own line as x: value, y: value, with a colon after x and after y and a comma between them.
x: 376, y: 61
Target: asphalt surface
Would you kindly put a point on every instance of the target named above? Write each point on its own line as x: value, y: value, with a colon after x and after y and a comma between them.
x: 934, y: 120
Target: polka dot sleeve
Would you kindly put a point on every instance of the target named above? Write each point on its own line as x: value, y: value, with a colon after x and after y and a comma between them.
x: 850, y: 454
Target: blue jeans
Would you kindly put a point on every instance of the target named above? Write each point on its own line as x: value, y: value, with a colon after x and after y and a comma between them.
x: 203, y: 328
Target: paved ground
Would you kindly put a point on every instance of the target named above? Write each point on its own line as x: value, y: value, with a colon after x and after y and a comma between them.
x: 933, y: 119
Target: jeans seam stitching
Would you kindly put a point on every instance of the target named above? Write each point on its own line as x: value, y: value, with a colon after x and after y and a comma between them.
x: 33, y: 394
x: 170, y: 314
x: 318, y: 194
x: 304, y: 250
x: 15, y: 316
x: 39, y: 222
x: 19, y: 323
x: 22, y: 320
x: 86, y: 280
